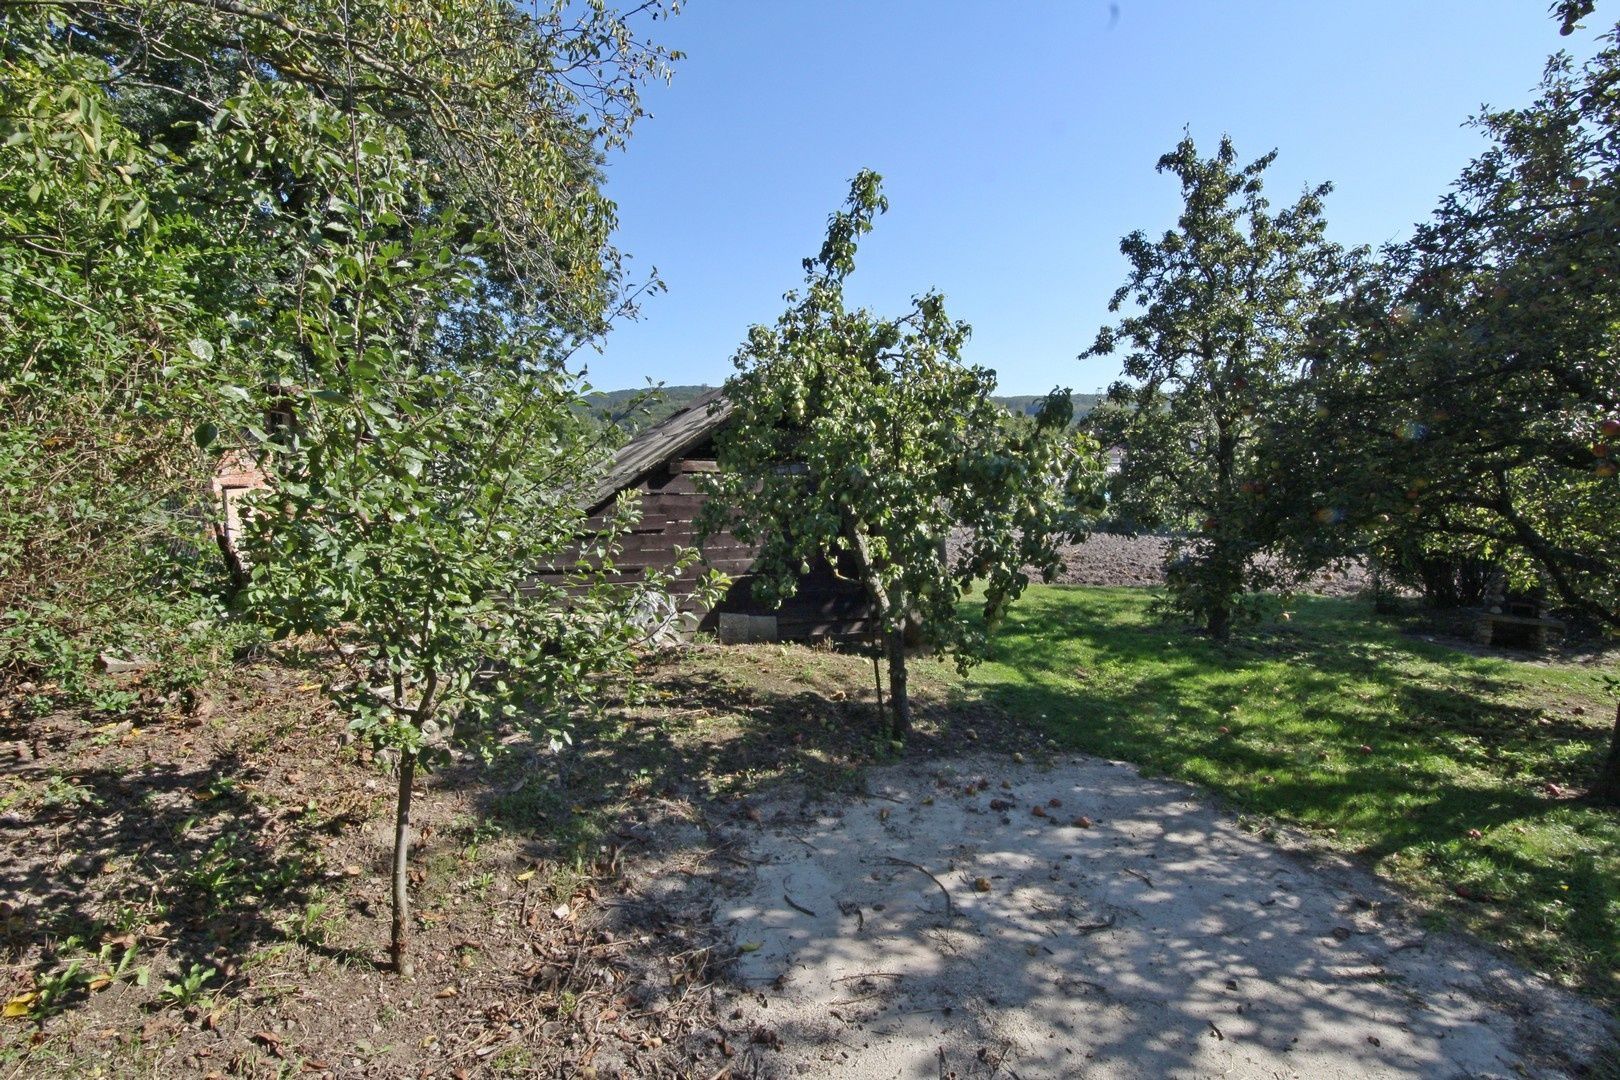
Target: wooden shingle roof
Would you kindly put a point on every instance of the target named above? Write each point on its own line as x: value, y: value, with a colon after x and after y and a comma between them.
x: 665, y: 441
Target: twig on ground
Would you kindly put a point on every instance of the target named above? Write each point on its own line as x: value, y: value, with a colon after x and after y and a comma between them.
x: 1138, y: 874
x: 1006, y: 1048
x: 1092, y: 928
x: 796, y: 906
x: 950, y: 909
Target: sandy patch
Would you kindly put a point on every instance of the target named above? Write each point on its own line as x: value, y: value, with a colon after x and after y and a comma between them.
x: 1158, y: 938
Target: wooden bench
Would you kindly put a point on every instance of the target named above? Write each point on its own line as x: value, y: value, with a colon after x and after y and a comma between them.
x: 1506, y: 630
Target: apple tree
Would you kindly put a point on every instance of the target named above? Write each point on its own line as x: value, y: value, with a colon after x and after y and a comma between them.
x: 1469, y: 396
x: 429, y: 243
x: 1219, y: 311
x: 854, y: 432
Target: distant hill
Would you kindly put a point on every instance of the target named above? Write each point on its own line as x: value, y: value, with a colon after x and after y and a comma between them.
x: 1028, y: 403
x: 614, y: 405
x: 618, y: 406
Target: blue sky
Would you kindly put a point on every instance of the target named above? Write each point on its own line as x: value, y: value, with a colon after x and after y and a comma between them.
x: 1017, y: 143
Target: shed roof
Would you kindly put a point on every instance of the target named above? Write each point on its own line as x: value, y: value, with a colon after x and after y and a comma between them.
x: 670, y: 438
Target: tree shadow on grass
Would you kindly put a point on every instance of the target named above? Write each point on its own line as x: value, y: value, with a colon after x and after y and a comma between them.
x: 1432, y: 757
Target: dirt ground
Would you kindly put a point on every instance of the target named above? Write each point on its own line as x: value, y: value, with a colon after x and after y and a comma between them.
x: 727, y: 876
x: 979, y: 917
x: 1114, y: 559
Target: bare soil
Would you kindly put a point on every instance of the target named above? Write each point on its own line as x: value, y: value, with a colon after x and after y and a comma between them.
x: 982, y: 917
x: 240, y: 837
x: 704, y: 886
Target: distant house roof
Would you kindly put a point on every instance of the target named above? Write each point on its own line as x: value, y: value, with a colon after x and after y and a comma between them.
x: 670, y: 438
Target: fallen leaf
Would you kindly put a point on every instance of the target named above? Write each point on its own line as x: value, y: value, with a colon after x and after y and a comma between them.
x: 526, y: 875
x: 447, y: 992
x: 20, y: 1005
x: 751, y: 946
x: 1082, y: 822
x: 982, y: 884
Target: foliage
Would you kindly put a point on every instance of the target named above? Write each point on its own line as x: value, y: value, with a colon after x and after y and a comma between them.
x: 1569, y: 14
x: 104, y: 353
x: 53, y: 991
x: 1465, y: 405
x: 356, y: 242
x: 165, y: 205
x: 863, y: 440
x: 189, y: 990
x: 1471, y: 394
x: 1222, y: 306
x: 1276, y: 723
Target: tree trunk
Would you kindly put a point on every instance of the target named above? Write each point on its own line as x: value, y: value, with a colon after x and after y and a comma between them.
x: 898, y: 698
x: 1606, y: 786
x: 877, y: 676
x: 402, y: 849
x: 1220, y: 622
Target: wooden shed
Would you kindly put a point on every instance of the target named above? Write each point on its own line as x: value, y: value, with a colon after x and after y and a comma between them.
x: 663, y: 464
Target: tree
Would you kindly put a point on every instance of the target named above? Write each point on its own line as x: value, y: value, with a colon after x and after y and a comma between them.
x: 383, y: 225
x: 1469, y: 394
x: 166, y: 187
x: 410, y: 511
x: 432, y: 448
x: 1569, y: 14
x: 854, y: 433
x: 105, y: 360
x: 1223, y: 305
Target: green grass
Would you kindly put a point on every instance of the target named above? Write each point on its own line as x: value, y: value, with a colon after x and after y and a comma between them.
x: 1454, y: 742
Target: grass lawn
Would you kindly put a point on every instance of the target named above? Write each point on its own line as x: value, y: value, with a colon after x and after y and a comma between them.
x: 1442, y: 767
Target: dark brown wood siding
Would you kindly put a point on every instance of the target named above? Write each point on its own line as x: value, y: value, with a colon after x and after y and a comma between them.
x: 827, y: 604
